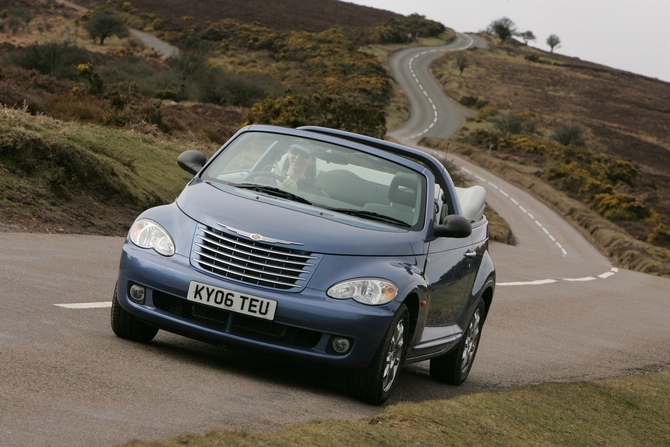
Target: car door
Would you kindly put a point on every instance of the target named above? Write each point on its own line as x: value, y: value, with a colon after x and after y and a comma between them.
x: 450, y: 272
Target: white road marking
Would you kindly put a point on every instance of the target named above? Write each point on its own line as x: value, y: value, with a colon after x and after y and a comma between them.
x: 521, y: 208
x: 585, y: 279
x: 540, y: 282
x: 421, y: 88
x: 98, y: 305
x: 536, y: 282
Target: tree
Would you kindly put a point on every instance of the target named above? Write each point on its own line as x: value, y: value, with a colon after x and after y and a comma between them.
x: 527, y: 36
x: 553, y: 41
x: 101, y: 25
x: 504, y: 28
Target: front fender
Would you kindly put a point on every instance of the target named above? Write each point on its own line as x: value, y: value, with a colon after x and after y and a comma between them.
x: 404, y: 272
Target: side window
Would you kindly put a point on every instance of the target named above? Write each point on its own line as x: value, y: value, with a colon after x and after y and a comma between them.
x: 441, y: 208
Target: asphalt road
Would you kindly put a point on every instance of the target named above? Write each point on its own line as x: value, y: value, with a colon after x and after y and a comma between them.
x: 561, y: 313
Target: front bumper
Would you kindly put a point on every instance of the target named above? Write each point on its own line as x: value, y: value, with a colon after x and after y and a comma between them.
x: 303, y: 328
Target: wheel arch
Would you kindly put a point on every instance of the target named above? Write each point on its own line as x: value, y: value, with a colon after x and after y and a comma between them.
x: 417, y: 318
x: 487, y: 297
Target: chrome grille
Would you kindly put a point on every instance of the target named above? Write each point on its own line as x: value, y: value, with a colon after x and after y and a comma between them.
x: 251, y: 262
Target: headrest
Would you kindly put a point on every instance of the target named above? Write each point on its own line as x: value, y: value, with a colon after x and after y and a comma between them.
x: 473, y: 201
x: 403, y: 189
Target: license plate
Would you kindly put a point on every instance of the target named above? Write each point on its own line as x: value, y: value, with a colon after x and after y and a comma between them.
x: 232, y: 301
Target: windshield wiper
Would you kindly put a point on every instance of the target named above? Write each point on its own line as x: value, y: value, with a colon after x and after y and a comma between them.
x: 372, y: 215
x: 274, y: 191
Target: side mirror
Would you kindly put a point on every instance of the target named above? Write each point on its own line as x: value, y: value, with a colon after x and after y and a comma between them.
x: 191, y: 161
x: 453, y: 226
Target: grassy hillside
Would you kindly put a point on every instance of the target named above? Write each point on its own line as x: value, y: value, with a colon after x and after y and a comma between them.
x: 280, y: 15
x: 599, y: 135
x: 80, y: 178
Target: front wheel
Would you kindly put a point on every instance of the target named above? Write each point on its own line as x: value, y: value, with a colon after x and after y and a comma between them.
x: 127, y: 326
x: 374, y: 383
x: 453, y: 368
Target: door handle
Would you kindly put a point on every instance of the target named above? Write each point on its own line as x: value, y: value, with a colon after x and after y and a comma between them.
x: 470, y: 254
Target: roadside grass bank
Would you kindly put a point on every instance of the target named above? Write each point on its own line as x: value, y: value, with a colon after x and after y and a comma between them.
x: 79, y: 178
x: 623, y: 412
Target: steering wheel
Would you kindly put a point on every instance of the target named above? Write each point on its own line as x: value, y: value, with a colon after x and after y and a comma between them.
x: 264, y: 174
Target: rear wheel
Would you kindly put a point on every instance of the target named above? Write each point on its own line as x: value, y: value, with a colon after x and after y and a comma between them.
x: 453, y: 368
x: 374, y: 383
x: 127, y: 326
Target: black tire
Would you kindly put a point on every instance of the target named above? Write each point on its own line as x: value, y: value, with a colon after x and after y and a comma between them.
x: 453, y: 367
x: 125, y: 325
x: 375, y: 383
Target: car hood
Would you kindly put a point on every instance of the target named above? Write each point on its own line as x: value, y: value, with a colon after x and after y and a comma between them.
x: 316, y: 229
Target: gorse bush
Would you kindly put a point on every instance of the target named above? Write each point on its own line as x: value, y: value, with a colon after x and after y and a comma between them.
x: 336, y: 111
x: 594, y: 178
x: 621, y: 206
x: 398, y: 30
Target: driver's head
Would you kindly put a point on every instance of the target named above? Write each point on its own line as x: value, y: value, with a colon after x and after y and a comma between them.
x: 299, y: 151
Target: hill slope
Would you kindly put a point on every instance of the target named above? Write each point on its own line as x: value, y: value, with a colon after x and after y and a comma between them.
x: 600, y: 135
x: 280, y: 15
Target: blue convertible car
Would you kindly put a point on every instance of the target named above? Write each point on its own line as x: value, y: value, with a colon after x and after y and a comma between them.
x: 320, y: 245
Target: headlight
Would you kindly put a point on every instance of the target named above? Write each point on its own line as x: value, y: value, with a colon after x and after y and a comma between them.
x: 365, y: 290
x: 148, y: 234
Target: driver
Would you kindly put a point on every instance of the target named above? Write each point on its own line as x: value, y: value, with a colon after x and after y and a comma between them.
x: 299, y: 161
x: 300, y: 171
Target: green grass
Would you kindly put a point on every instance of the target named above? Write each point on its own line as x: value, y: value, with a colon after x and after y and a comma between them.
x: 623, y: 412
x: 59, y: 173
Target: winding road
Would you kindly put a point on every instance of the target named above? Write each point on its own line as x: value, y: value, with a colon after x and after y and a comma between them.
x: 561, y: 313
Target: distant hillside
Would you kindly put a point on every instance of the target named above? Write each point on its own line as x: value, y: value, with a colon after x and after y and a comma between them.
x: 598, y: 134
x: 280, y: 15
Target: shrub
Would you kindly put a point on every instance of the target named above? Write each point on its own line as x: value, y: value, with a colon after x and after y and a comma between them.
x: 213, y: 85
x: 623, y: 171
x: 58, y: 59
x: 397, y: 30
x: 659, y: 236
x: 486, y: 113
x: 620, y: 206
x: 513, y: 123
x: 568, y: 135
x: 473, y: 101
x: 569, y: 177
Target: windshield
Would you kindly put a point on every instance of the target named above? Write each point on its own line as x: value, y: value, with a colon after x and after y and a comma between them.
x: 334, y: 177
